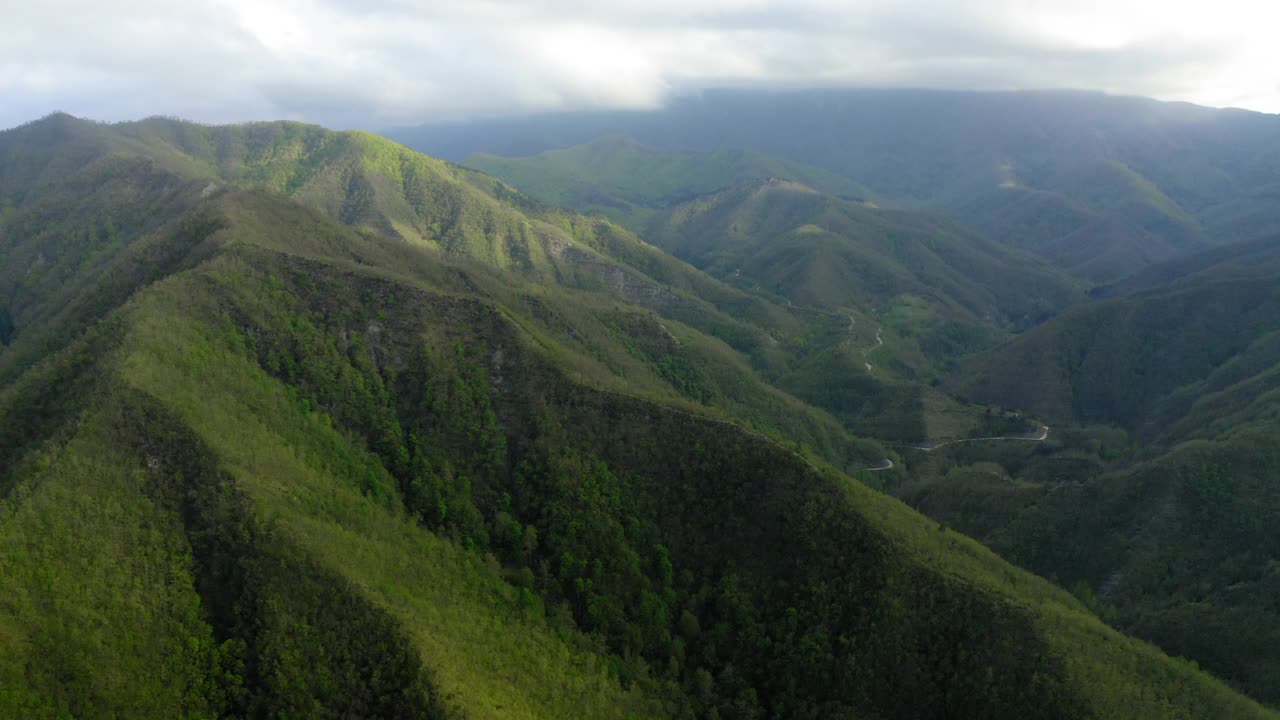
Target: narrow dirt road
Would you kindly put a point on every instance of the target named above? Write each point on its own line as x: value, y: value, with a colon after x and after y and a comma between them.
x: 879, y: 344
x: 887, y: 464
x: 1044, y: 435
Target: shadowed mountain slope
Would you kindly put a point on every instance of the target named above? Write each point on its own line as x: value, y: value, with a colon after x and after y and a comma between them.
x: 334, y: 470
x: 1166, y: 178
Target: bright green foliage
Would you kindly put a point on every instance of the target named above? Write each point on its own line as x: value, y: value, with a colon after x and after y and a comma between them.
x: 334, y: 471
x: 99, y: 593
x: 387, y: 190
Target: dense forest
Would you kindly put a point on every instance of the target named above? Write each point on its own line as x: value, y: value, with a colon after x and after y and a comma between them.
x: 1163, y: 212
x: 296, y: 423
x: 1098, y: 185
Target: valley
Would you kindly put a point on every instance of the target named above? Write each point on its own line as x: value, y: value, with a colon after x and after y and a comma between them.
x: 1172, y: 348
x: 1041, y: 436
x: 644, y: 415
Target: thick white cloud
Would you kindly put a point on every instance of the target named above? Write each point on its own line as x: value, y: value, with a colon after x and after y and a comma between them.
x: 383, y: 62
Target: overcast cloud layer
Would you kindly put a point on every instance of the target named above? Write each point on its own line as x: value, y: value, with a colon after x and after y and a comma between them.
x: 392, y: 62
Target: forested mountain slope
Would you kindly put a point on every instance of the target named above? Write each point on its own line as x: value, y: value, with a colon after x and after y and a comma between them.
x: 383, y: 188
x: 1162, y: 397
x: 1179, y: 548
x: 823, y: 250
x: 64, y: 255
x: 261, y: 462
x: 938, y: 291
x: 619, y: 178
x: 1249, y: 259
x: 1131, y: 361
x: 1156, y: 501
x: 1131, y: 181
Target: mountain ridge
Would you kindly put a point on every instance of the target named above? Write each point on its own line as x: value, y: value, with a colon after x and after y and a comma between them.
x: 1192, y: 175
x: 373, y: 475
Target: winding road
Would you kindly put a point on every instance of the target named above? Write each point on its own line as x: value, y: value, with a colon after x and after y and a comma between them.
x: 887, y: 464
x: 1044, y: 435
x: 879, y: 344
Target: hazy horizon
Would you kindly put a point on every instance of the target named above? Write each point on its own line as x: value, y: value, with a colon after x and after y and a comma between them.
x: 668, y: 101
x: 403, y: 62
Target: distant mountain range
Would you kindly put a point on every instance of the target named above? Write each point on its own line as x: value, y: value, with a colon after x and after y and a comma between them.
x: 1099, y: 185
x: 1152, y: 496
x: 619, y: 178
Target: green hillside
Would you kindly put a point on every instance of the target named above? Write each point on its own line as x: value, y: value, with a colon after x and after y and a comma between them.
x: 754, y: 223
x: 1121, y: 226
x: 1176, y: 546
x: 265, y: 457
x: 621, y: 179
x: 1252, y: 214
x: 1121, y: 361
x: 1121, y: 192
x: 1154, y: 500
x: 56, y: 234
x: 426, y: 203
x: 1026, y: 168
x: 1258, y: 257
x: 924, y: 276
x: 918, y: 294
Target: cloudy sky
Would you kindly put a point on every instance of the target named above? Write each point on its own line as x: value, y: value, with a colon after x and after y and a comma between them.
x: 378, y: 63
